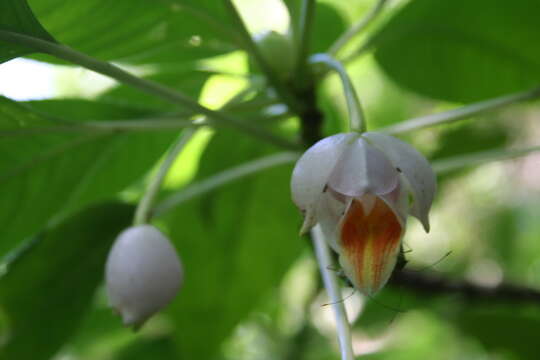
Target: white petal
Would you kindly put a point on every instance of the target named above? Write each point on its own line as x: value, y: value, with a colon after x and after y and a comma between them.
x: 143, y: 273
x: 330, y: 210
x: 363, y: 169
x: 311, y: 173
x: 414, y: 167
x: 398, y: 200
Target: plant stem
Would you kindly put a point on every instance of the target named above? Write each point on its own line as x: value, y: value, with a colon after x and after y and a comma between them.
x: 304, y: 36
x: 357, y: 28
x: 457, y: 162
x: 460, y: 113
x: 284, y: 93
x: 158, y: 124
x: 223, y: 178
x: 142, y: 213
x: 356, y: 114
x: 331, y: 284
x: 150, y: 87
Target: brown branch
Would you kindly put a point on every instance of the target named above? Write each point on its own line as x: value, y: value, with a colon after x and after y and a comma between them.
x: 433, y: 284
x: 311, y: 118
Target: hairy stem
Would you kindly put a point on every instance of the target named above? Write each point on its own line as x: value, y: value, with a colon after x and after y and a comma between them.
x: 331, y: 284
x: 223, y: 178
x: 461, y: 113
x: 458, y: 162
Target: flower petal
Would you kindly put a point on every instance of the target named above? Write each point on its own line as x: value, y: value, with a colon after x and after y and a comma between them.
x: 414, y: 167
x: 398, y: 200
x: 311, y: 173
x: 369, y: 245
x: 330, y: 211
x: 363, y: 169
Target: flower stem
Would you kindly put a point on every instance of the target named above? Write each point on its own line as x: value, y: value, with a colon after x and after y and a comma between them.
x: 150, y: 87
x: 356, y: 114
x: 223, y: 178
x: 330, y: 282
x: 142, y: 213
x: 461, y: 113
x: 357, y: 28
x: 284, y: 93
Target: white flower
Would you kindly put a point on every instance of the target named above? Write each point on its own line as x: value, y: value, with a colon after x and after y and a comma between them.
x: 361, y: 188
x: 142, y: 274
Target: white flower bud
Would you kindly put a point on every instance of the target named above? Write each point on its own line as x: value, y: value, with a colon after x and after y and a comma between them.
x: 143, y: 274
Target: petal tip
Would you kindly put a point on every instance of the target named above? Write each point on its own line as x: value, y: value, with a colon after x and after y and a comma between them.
x: 425, y: 224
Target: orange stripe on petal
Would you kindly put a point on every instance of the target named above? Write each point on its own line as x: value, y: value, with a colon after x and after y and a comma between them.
x: 370, y: 244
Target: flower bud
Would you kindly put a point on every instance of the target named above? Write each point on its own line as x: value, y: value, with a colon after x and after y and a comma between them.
x: 142, y: 274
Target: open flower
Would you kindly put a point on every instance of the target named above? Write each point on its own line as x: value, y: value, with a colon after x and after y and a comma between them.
x: 360, y: 188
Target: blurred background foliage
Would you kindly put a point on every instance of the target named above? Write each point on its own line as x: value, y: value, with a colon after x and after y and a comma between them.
x: 252, y: 289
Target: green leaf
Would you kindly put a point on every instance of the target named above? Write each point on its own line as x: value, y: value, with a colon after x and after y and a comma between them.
x: 42, y: 174
x: 236, y: 244
x: 188, y: 81
x: 462, y: 50
x: 137, y: 31
x: 328, y: 24
x: 505, y: 330
x: 16, y: 16
x: 49, y: 286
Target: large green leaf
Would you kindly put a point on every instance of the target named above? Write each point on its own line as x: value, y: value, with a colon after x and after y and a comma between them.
x: 137, y: 31
x: 236, y: 244
x: 16, y: 16
x: 49, y: 285
x: 506, y: 330
x: 462, y: 50
x: 44, y: 173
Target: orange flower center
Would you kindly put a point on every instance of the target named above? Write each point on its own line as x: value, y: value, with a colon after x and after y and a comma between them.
x: 371, y: 243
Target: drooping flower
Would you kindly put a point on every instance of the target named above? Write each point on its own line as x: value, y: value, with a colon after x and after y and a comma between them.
x: 143, y: 274
x: 360, y: 188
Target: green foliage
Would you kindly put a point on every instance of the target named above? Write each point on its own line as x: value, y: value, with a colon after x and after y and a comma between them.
x: 16, y: 16
x: 462, y: 50
x: 239, y: 242
x: 511, y: 332
x: 49, y: 283
x: 156, y: 32
x: 46, y: 173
